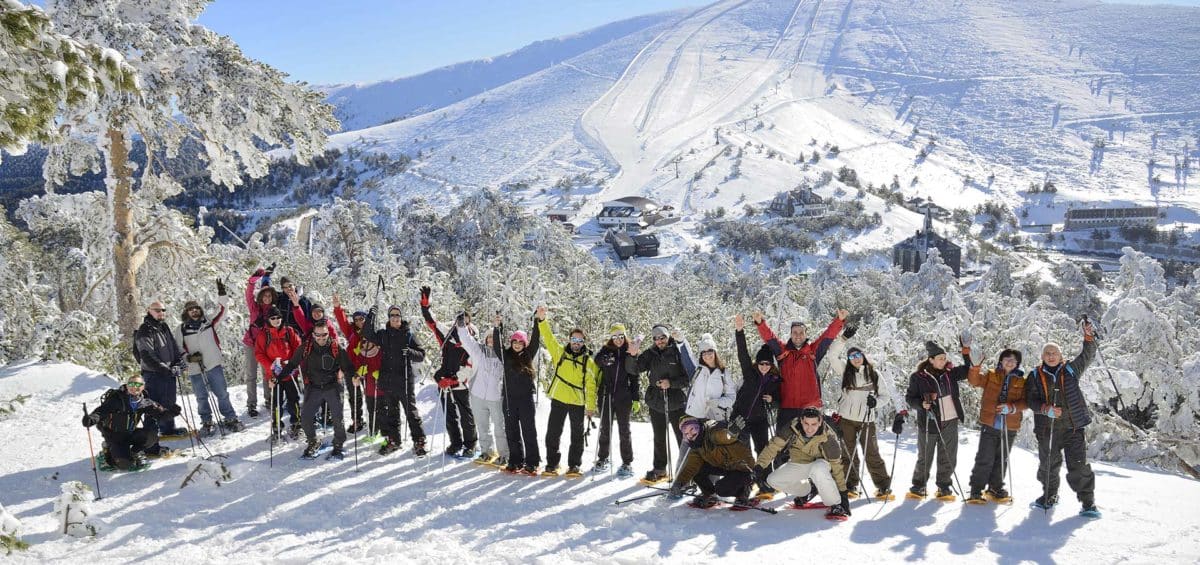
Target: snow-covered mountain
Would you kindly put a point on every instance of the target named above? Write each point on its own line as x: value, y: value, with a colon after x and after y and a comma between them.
x: 364, y: 105
x: 962, y: 103
x: 396, y: 509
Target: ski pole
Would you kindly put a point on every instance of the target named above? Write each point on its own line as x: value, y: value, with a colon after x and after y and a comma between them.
x: 641, y: 497
x: 92, y: 452
x: 1004, y: 468
x: 1099, y: 357
x: 1049, y: 457
x: 213, y: 404
x: 666, y: 433
x: 862, y: 460
x: 187, y: 405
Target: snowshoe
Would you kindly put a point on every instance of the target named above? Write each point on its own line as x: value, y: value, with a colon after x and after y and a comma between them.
x: 884, y: 494
x: 510, y: 469
x: 625, y: 472
x: 485, y: 458
x: 529, y: 471
x: 916, y: 493
x: 945, y: 495
x: 573, y: 472
x: 600, y: 466
x: 999, y: 496
x: 294, y: 431
x: 837, y: 513
x: 654, y: 477
x: 1090, y: 511
x: 1043, y: 503
x: 356, y: 427
x: 233, y: 426
x: 208, y: 429
x: 419, y: 450
x: 389, y: 447
x: 175, y: 435
x: 310, y: 452
x: 374, y: 439
x: 976, y: 498
x: 500, y: 461
x: 337, y: 454
x: 852, y: 494
x: 161, y: 452
x: 704, y: 502
x: 744, y: 504
x: 453, y: 450
x: 765, y: 494
x: 806, y: 502
x: 252, y: 412
x: 139, y: 464
x: 549, y: 472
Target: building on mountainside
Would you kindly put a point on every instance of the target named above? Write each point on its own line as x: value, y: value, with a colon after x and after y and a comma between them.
x: 1092, y: 218
x: 801, y: 203
x: 911, y: 253
x: 646, y: 244
x: 623, y: 245
x: 561, y: 216
x: 632, y: 213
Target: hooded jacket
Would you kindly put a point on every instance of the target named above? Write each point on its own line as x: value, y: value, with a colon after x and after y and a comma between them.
x: 749, y: 403
x: 367, y: 368
x: 617, y: 383
x: 927, y: 380
x: 200, y: 336
x: 798, y: 365
x: 519, y: 377
x: 488, y: 379
x: 455, y: 360
x: 574, y: 376
x: 400, y: 350
x: 999, y: 388
x: 276, y: 343
x: 320, y: 364
x: 804, y: 450
x: 119, y: 412
x: 716, y: 447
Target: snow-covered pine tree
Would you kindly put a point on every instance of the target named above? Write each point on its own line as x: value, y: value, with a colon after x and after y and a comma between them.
x: 233, y: 106
x: 47, y: 74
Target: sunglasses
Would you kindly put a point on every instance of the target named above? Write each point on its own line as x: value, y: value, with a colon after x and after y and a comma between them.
x: 855, y: 355
x: 660, y: 338
x: 764, y: 363
x: 135, y: 384
x: 577, y: 340
x: 618, y: 336
x: 275, y: 318
x: 158, y: 309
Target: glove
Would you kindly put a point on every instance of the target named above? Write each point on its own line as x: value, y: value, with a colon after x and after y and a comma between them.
x: 965, y: 338
x: 1050, y: 413
x: 1005, y: 409
x: 898, y: 423
x: 637, y: 407
x: 846, y: 501
x: 871, y: 401
x: 675, y: 493
x: 849, y: 331
x: 269, y: 270
x: 425, y: 292
x: 736, y: 425
x: 90, y: 420
x: 976, y: 356
x: 176, y: 371
x: 276, y: 369
x: 220, y: 288
x: 174, y: 410
x: 447, y: 382
x: 836, y: 417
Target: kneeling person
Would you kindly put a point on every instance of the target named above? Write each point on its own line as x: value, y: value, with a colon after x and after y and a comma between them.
x: 714, y: 451
x: 119, y: 417
x: 323, y: 365
x: 815, y: 460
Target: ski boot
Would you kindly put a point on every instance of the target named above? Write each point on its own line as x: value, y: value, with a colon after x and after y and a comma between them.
x: 356, y: 427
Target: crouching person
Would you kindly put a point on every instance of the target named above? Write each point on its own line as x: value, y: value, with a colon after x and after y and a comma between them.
x: 713, y: 450
x: 324, y: 365
x: 815, y: 461
x: 127, y: 440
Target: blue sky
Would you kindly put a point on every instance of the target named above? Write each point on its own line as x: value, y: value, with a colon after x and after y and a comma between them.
x: 366, y: 40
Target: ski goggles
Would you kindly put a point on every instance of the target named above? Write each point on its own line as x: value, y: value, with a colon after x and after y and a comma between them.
x: 618, y: 336
x: 135, y: 384
x: 855, y: 355
x: 577, y: 340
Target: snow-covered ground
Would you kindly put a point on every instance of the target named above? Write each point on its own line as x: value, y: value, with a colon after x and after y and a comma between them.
x: 397, y: 509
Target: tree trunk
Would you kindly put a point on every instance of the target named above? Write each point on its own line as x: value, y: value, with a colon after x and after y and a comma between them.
x: 121, y: 196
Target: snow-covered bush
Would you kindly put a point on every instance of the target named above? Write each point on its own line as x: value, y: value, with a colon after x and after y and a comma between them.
x: 10, y: 532
x: 73, y: 512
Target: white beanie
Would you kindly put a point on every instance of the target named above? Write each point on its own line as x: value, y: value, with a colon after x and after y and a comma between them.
x: 706, y: 343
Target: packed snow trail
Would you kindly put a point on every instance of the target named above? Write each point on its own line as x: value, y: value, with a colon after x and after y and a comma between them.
x: 397, y: 509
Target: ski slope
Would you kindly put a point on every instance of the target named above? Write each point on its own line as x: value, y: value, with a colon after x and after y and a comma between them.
x: 399, y: 510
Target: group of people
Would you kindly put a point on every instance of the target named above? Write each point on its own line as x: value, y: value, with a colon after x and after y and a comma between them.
x: 764, y: 427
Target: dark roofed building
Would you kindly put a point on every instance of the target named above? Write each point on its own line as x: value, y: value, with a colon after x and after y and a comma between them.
x: 801, y: 202
x: 911, y: 253
x: 1092, y: 218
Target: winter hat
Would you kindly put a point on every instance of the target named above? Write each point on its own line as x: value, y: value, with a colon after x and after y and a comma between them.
x: 707, y: 343
x: 188, y: 306
x: 521, y: 337
x: 393, y: 308
x: 764, y: 354
x: 316, y: 307
x: 358, y: 313
x: 660, y: 330
x: 1006, y: 353
x: 616, y: 329
x: 690, y: 422
x: 274, y: 311
x: 933, y: 350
